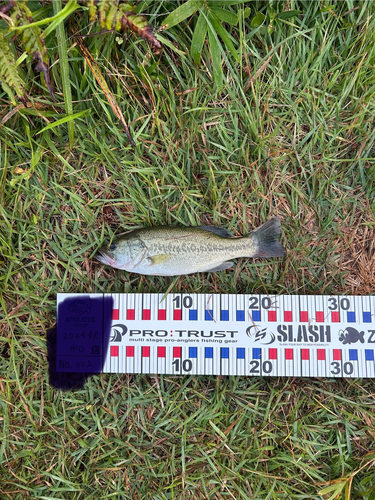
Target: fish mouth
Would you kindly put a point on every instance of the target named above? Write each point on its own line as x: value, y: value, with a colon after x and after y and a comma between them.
x: 106, y: 258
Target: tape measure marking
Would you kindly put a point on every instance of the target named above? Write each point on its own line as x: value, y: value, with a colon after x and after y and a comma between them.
x: 262, y: 335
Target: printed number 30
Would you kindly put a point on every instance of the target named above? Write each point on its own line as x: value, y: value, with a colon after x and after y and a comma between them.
x: 347, y: 368
x: 334, y: 304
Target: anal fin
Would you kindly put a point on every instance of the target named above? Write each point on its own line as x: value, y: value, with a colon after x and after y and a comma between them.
x: 220, y: 267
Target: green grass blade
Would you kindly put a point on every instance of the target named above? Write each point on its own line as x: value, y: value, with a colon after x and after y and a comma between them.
x: 216, y: 57
x: 60, y: 17
x: 288, y: 14
x: 215, y: 3
x: 224, y: 36
x: 225, y: 15
x: 69, y: 8
x: 64, y: 67
x: 258, y: 20
x: 185, y: 10
x: 66, y: 119
x: 170, y: 45
x: 199, y: 36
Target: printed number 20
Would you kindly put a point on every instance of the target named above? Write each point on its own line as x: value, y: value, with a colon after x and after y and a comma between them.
x: 254, y: 303
x: 266, y: 366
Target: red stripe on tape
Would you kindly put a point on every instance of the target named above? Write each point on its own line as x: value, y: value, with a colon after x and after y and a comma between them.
x: 272, y: 353
x: 115, y: 313
x: 161, y: 352
x: 288, y: 353
x: 335, y: 317
x: 288, y: 316
x: 304, y: 316
x: 305, y: 354
x: 114, y: 350
x: 321, y: 354
x: 337, y: 354
x: 319, y: 316
x: 177, y: 352
x: 145, y: 352
x: 271, y: 315
x: 130, y: 314
x: 162, y: 314
x: 146, y: 314
x: 130, y: 351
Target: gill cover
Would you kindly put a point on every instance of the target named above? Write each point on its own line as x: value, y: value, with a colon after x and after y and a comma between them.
x: 129, y: 253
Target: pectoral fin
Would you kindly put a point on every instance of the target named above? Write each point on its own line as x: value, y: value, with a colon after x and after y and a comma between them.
x: 159, y: 259
x: 220, y: 267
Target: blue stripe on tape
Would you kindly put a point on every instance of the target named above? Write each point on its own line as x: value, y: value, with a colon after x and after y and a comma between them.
x: 240, y: 316
x: 256, y: 353
x: 369, y: 355
x: 367, y: 317
x: 225, y: 352
x: 256, y: 315
x: 208, y: 352
x: 209, y: 315
x: 240, y: 353
x: 192, y: 352
x: 224, y: 316
x: 351, y: 316
x: 193, y: 314
x: 353, y: 354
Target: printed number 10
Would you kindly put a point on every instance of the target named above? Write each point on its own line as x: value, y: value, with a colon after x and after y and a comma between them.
x: 187, y: 365
x: 186, y: 302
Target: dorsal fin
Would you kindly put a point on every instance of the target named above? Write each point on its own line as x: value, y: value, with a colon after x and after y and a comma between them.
x: 220, y: 231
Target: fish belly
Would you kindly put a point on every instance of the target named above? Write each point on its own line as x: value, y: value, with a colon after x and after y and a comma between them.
x: 178, y: 265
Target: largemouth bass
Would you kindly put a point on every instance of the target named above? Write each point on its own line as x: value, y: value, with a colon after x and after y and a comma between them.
x: 172, y: 251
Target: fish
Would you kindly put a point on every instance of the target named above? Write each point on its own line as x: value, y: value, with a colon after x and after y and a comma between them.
x: 176, y: 251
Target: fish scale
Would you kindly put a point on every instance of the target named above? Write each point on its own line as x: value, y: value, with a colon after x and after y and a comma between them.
x: 217, y: 334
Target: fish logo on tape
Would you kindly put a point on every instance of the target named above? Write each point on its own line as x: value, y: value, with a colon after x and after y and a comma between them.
x: 117, y: 332
x: 350, y: 336
x: 260, y: 335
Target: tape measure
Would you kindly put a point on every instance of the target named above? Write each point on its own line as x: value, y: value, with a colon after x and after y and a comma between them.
x: 213, y: 334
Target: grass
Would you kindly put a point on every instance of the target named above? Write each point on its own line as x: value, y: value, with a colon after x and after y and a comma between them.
x: 293, y: 136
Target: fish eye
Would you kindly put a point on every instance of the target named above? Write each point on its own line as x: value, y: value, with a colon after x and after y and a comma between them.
x: 112, y: 246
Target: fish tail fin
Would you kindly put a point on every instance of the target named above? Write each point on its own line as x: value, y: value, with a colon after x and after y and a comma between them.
x: 266, y: 239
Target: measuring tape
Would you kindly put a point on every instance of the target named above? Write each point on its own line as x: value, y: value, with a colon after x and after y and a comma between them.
x: 212, y: 334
